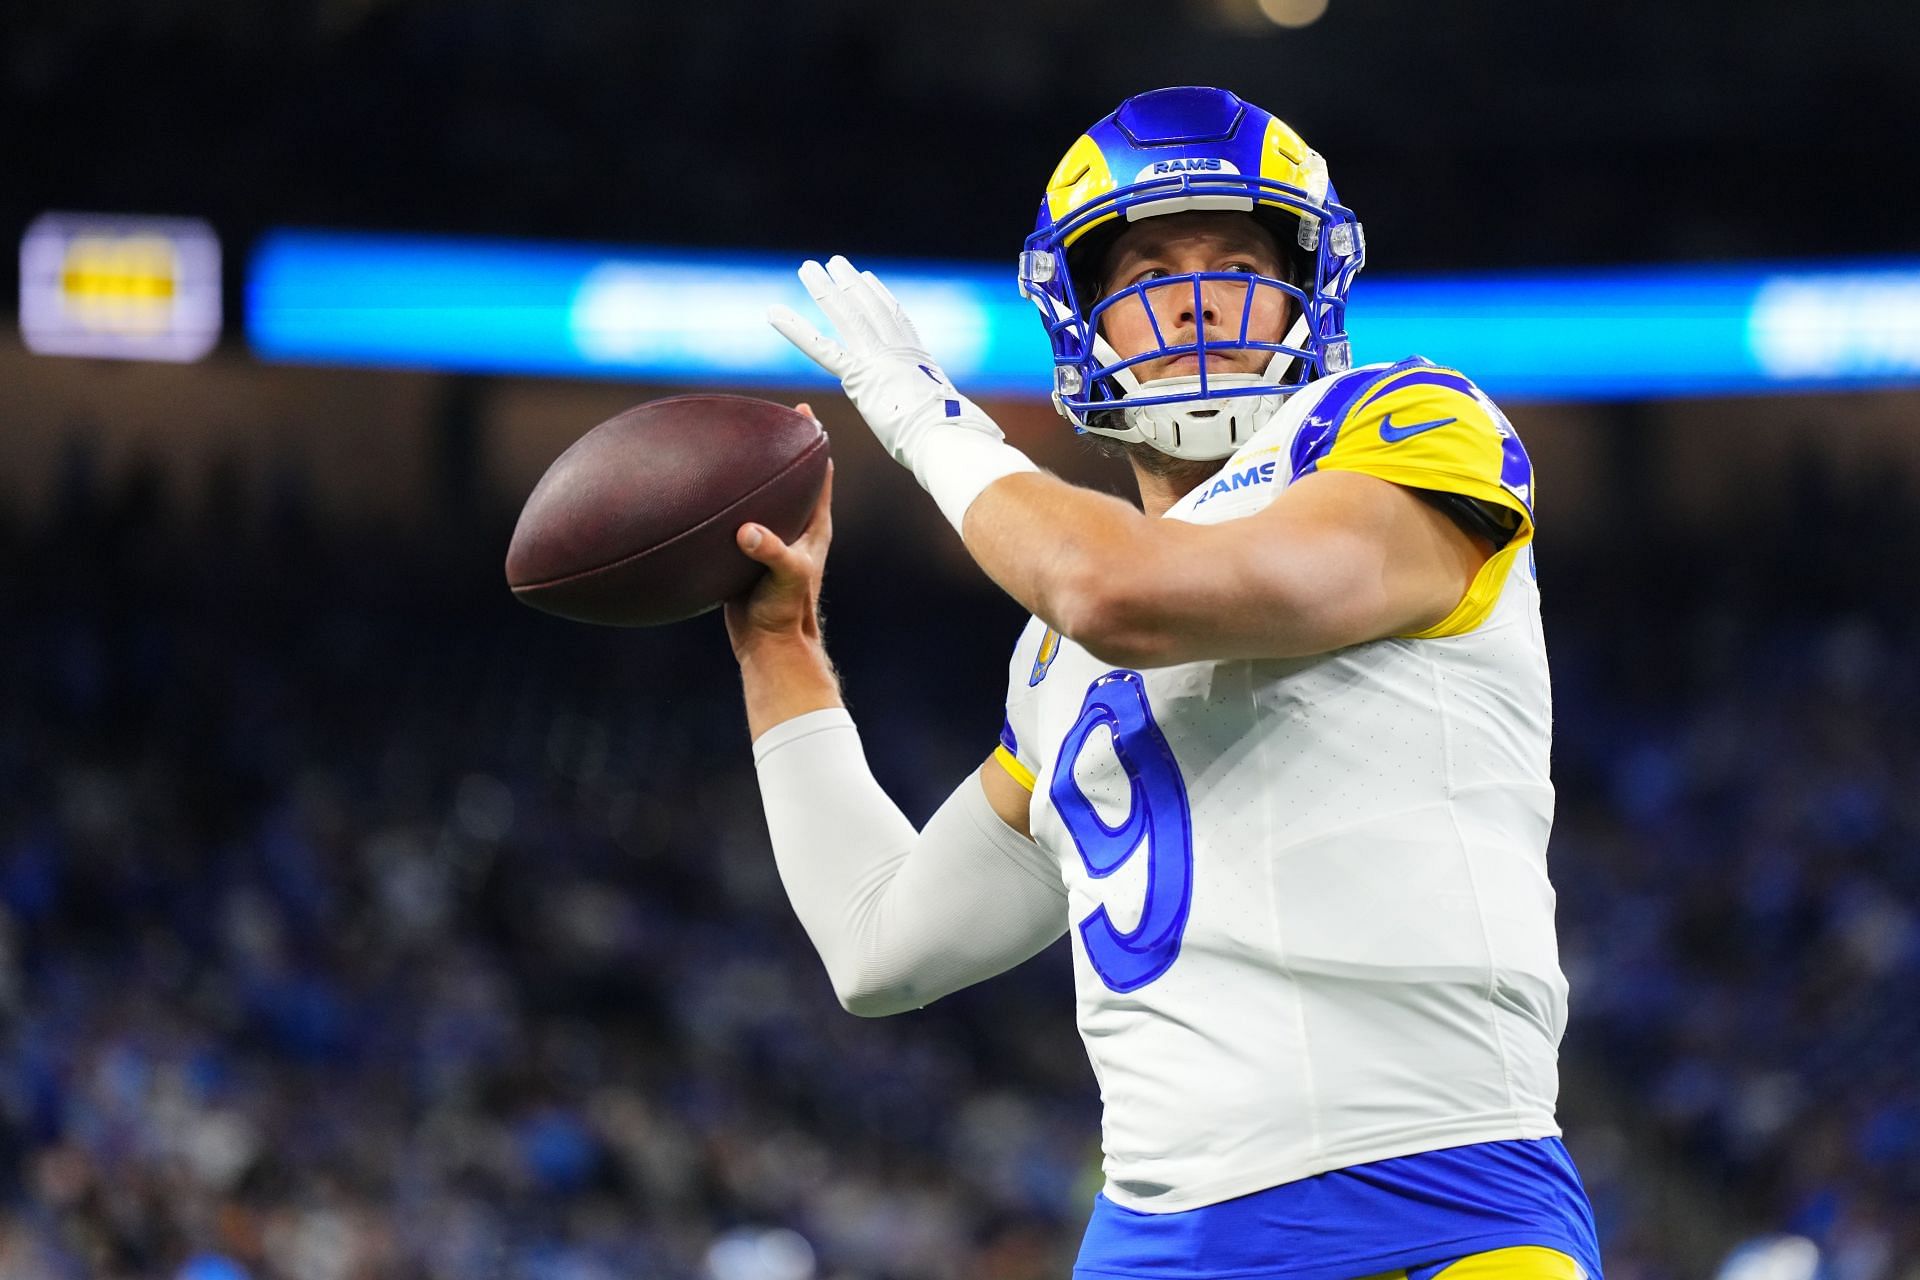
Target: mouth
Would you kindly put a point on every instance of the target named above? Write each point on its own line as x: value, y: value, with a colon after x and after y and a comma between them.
x: 1189, y: 365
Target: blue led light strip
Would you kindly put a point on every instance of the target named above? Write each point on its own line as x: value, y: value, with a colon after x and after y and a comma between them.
x: 588, y: 311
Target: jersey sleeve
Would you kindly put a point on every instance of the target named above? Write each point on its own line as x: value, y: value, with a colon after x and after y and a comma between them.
x: 1430, y: 428
x: 1031, y: 657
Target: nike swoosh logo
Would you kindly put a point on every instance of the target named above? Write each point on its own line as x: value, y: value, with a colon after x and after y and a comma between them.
x: 1394, y: 435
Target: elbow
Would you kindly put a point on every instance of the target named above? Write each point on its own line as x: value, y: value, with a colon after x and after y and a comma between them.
x: 1131, y: 647
x: 1107, y: 607
x: 875, y: 1005
x: 864, y: 996
x: 875, y: 979
x: 873, y: 974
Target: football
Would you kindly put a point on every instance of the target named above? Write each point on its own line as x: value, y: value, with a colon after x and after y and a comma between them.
x: 633, y: 526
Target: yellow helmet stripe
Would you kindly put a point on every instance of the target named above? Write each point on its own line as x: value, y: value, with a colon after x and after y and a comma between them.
x: 1082, y: 177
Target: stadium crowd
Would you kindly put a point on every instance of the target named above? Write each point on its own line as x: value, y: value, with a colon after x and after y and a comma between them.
x: 356, y: 922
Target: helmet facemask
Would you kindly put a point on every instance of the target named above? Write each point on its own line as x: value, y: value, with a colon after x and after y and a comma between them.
x: 1212, y: 410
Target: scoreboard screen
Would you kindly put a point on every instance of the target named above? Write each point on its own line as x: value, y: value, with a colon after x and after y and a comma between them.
x: 119, y: 287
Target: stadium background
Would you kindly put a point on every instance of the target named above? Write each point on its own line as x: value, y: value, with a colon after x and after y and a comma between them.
x: 357, y: 922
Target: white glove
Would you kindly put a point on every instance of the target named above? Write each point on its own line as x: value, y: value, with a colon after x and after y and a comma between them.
x: 953, y: 449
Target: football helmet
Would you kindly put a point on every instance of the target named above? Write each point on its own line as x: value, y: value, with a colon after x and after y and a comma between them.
x: 1170, y: 151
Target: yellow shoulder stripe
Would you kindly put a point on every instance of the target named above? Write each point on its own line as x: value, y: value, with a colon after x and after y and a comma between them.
x: 1011, y: 763
x: 1521, y: 1262
x: 1483, y: 594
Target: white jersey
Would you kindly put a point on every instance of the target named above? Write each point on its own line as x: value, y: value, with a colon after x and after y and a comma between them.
x: 1308, y: 898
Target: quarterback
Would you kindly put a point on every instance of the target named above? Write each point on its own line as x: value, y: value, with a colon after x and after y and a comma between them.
x: 1275, y: 755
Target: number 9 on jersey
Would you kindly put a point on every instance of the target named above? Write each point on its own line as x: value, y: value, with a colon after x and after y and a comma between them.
x: 1157, y: 815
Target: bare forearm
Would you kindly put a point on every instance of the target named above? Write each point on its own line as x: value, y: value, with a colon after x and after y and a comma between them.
x: 1127, y: 588
x: 1338, y: 560
x: 1048, y: 543
x: 786, y: 678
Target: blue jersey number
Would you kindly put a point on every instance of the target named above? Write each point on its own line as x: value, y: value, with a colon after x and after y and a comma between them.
x: 1157, y: 812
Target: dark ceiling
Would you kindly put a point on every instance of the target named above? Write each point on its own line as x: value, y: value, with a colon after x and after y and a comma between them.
x: 1474, y: 134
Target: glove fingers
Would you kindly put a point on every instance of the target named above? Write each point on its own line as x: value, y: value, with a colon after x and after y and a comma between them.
x: 814, y: 345
x: 819, y: 285
x: 842, y: 272
x: 901, y: 320
x: 853, y: 327
x: 852, y: 302
x: 885, y: 294
x: 859, y: 294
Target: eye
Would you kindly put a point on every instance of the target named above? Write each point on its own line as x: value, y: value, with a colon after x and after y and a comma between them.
x: 1151, y: 273
x: 1245, y: 267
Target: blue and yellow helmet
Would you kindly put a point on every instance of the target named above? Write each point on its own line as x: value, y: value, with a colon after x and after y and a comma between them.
x: 1171, y: 151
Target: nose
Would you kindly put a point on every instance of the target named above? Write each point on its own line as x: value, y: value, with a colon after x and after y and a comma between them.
x: 1201, y: 305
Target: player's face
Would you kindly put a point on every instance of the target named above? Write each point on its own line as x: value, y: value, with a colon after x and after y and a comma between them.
x: 1180, y: 244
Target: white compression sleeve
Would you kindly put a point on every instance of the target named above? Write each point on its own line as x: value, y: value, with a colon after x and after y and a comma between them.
x: 900, y: 917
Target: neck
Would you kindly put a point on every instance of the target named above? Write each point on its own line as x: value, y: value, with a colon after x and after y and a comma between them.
x: 1163, y: 480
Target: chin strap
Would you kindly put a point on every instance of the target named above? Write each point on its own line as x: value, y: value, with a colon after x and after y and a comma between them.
x: 1198, y: 429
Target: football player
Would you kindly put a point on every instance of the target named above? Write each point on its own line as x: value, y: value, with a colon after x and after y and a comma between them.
x: 1276, y: 747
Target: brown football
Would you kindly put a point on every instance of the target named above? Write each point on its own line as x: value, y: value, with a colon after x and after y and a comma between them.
x: 633, y: 525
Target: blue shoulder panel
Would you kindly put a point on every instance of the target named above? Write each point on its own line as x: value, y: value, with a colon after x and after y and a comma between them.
x: 1437, y: 378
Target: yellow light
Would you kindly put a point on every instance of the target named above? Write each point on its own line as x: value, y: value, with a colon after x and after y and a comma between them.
x: 120, y: 283
x: 119, y: 287
x: 1292, y: 13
